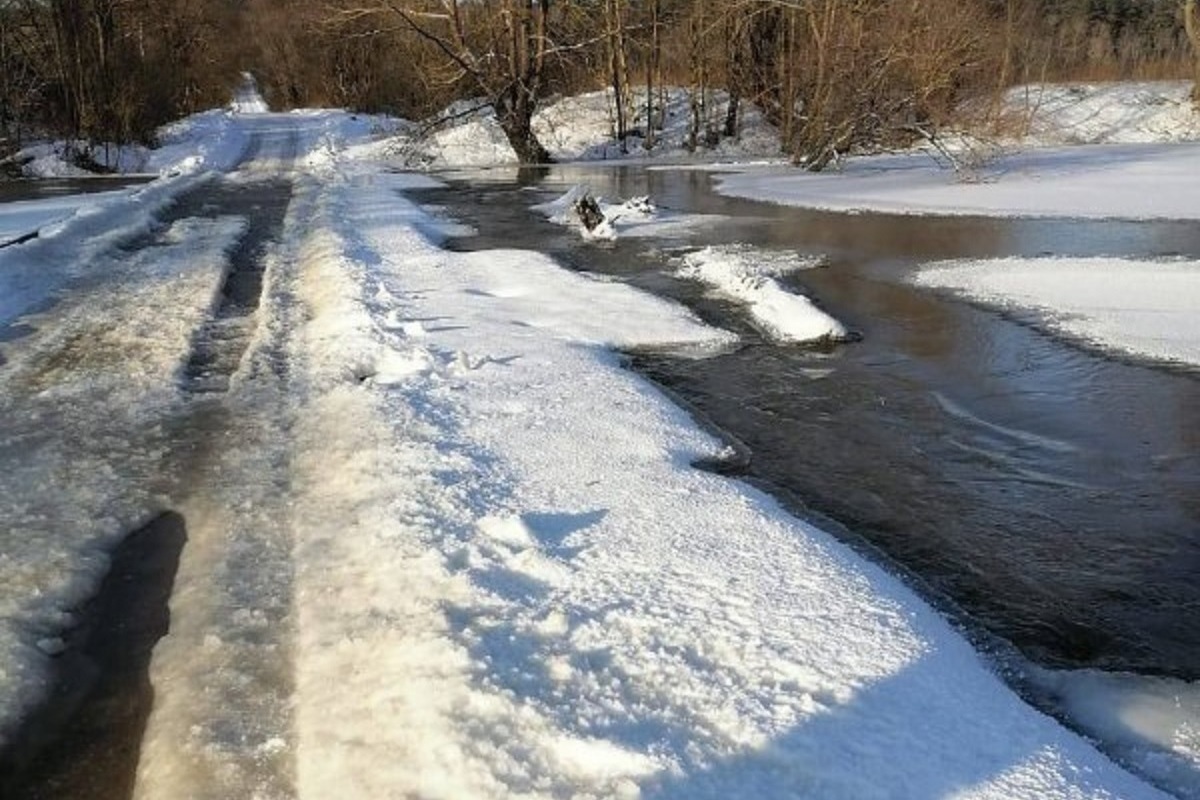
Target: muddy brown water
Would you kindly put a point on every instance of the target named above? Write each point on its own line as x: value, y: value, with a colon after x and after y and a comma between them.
x: 1040, y: 491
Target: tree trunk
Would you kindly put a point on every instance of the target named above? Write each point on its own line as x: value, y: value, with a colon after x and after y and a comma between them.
x: 514, y: 112
x: 652, y: 67
x: 1192, y: 26
x: 736, y: 72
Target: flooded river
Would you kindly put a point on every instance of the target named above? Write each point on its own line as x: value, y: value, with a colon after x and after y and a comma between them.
x: 1044, y: 492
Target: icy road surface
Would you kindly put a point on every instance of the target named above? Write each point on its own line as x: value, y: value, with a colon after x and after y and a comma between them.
x: 439, y: 543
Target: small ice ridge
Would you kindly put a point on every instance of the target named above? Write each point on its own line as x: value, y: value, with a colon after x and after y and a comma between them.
x: 750, y: 275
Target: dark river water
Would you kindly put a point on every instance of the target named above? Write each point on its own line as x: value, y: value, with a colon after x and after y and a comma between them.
x: 1037, y: 490
x: 39, y: 188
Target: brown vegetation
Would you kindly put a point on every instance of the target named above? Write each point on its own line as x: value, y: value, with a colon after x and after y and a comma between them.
x: 833, y: 75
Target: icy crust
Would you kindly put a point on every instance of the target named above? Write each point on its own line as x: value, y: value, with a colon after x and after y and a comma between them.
x: 749, y: 275
x: 82, y: 402
x: 1150, y: 723
x: 510, y: 581
x: 71, y: 233
x: 28, y: 216
x: 1141, y: 308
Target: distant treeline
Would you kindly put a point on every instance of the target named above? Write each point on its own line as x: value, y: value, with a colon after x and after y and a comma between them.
x: 831, y: 74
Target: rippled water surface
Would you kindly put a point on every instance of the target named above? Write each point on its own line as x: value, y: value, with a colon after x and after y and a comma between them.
x: 1049, y: 491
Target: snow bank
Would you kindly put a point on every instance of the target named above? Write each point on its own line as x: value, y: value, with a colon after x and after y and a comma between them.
x: 1138, y: 164
x: 1105, y: 113
x: 465, y: 134
x: 1101, y: 181
x: 54, y: 159
x: 72, y: 232
x: 1143, y: 308
x: 749, y: 275
x: 582, y: 128
x: 209, y: 140
x: 511, y: 577
x: 27, y: 216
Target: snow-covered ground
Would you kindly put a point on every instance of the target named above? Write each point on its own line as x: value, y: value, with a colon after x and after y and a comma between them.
x: 512, y: 582
x: 1141, y: 153
x: 1143, y: 308
x: 28, y: 216
x: 580, y: 128
x: 1104, y: 113
x: 747, y: 275
x: 503, y: 576
x: 1139, y: 181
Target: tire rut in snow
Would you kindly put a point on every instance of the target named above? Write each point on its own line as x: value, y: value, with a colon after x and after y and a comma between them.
x: 219, y: 345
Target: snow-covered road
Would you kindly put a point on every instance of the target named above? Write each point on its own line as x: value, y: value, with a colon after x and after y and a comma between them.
x: 439, y: 543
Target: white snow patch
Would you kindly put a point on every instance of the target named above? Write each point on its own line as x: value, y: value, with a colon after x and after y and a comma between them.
x: 1140, y: 154
x: 1097, y: 181
x: 1105, y: 113
x: 1149, y: 723
x: 28, y: 216
x: 750, y: 275
x: 57, y: 159
x: 583, y: 128
x: 1143, y: 308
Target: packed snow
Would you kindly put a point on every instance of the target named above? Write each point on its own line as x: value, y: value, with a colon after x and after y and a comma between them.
x: 71, y: 233
x: 1142, y: 308
x: 750, y: 276
x: 82, y: 396
x: 455, y: 549
x: 247, y: 99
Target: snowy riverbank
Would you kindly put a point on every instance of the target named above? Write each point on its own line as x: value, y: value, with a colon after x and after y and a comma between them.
x: 503, y: 575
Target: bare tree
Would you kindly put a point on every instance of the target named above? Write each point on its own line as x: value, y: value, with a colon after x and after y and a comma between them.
x: 618, y: 68
x: 498, y: 50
